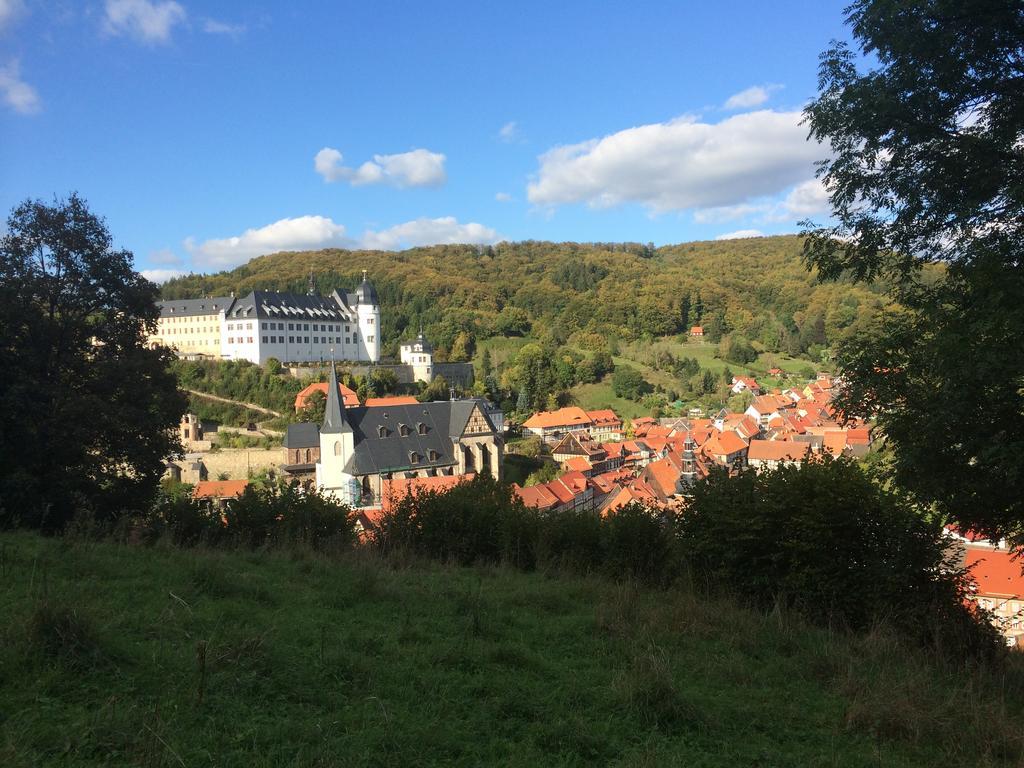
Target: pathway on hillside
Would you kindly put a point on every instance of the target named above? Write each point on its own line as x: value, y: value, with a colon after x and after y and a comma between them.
x: 251, y: 406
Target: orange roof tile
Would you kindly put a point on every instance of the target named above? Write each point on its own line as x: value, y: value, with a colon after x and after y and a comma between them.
x: 349, y: 398
x: 834, y: 441
x: 996, y: 572
x: 724, y: 443
x: 578, y: 464
x: 776, y: 450
x: 570, y: 416
x: 377, y: 402
x: 219, y: 489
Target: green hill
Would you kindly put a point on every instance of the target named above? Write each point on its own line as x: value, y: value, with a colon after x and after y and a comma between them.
x: 757, y: 287
x: 115, y: 655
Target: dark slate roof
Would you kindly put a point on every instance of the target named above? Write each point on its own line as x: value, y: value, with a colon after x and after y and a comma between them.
x: 289, y: 306
x: 444, y: 420
x: 303, y: 435
x: 367, y: 293
x: 186, y: 307
x: 334, y: 412
x: 424, y: 345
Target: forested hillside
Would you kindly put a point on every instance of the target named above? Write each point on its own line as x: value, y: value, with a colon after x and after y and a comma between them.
x: 757, y: 288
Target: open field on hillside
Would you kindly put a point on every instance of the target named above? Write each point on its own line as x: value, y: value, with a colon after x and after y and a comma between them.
x: 161, y: 657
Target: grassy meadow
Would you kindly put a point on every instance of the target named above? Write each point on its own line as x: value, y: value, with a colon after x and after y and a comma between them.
x: 118, y: 655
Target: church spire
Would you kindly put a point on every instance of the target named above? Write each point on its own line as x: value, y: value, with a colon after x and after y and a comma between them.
x: 311, y: 290
x: 334, y: 415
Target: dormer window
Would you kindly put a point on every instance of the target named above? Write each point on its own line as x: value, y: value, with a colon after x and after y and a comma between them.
x: 434, y: 455
x: 382, y: 431
x: 421, y: 428
x: 404, y: 430
x: 414, y: 458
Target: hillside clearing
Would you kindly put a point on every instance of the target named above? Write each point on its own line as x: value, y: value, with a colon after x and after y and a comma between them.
x: 113, y: 654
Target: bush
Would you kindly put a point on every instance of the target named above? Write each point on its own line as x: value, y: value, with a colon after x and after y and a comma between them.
x: 278, y: 514
x: 629, y: 383
x: 826, y: 540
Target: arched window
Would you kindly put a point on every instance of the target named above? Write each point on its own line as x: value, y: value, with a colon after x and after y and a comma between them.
x: 421, y: 428
x: 337, y: 447
x: 309, y: 456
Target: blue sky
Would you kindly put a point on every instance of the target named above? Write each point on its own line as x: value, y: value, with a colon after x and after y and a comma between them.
x: 208, y: 133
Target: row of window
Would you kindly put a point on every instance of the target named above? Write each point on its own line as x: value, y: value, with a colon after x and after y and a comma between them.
x: 403, y: 429
x: 275, y: 326
x: 175, y: 331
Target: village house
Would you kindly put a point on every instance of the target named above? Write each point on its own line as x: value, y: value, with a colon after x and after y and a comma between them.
x: 742, y: 384
x: 301, y: 452
x: 726, y: 449
x: 551, y: 426
x: 219, y: 493
x: 697, y: 331
x: 770, y: 454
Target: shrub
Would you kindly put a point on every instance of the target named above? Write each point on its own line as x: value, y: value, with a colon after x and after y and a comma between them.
x: 828, y: 541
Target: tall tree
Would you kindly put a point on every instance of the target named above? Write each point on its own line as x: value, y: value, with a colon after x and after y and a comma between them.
x: 924, y: 123
x: 87, y: 411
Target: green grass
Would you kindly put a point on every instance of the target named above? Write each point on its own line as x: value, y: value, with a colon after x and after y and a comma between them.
x: 114, y: 655
x: 592, y: 397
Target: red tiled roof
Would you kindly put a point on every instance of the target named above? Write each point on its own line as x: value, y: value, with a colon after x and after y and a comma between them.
x: 859, y: 436
x: 605, y: 417
x: 396, y: 489
x: 996, y: 572
x: 219, y: 489
x: 696, y: 331
x: 776, y: 450
x: 578, y: 464
x: 377, y: 402
x: 724, y: 443
x: 834, y: 441
x: 570, y: 416
x: 349, y: 398
x: 537, y: 496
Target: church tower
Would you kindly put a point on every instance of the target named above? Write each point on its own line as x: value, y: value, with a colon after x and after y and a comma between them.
x: 368, y: 311
x: 337, y: 449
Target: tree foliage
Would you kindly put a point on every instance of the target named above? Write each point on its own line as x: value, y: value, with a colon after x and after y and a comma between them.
x: 925, y: 167
x: 592, y: 292
x: 87, y: 411
x: 827, y: 540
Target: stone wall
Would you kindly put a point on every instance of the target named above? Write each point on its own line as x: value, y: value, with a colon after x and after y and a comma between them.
x: 238, y: 462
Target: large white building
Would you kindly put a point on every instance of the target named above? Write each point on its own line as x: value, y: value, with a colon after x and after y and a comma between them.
x: 291, y: 327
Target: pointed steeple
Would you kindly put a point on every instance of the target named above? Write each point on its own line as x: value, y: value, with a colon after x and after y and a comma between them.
x: 334, y: 414
x: 311, y: 290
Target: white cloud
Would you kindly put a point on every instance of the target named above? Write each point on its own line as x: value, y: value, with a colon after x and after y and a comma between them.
x: 806, y: 199
x: 418, y: 168
x: 509, y: 132
x: 681, y: 164
x: 754, y: 96
x: 214, y: 27
x: 741, y: 233
x: 17, y: 94
x: 315, y: 232
x: 503, y: 197
x: 9, y: 11
x: 424, y: 231
x: 159, y: 276
x: 729, y: 212
x: 145, y: 20
x: 301, y: 233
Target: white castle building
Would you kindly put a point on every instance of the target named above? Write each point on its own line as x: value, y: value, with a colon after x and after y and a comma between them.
x: 290, y: 327
x: 419, y: 355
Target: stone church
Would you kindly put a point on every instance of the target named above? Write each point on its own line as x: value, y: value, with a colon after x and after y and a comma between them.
x: 361, y: 447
